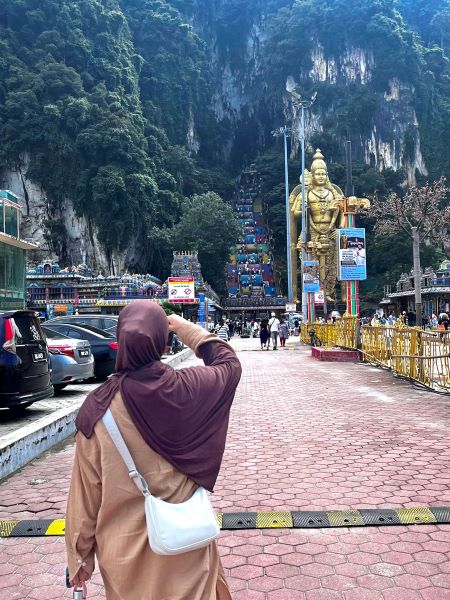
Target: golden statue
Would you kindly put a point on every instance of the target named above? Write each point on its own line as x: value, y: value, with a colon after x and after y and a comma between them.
x: 324, y: 202
x: 326, y: 209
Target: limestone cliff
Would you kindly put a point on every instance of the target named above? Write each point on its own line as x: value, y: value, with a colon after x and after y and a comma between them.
x: 76, y: 239
x: 117, y: 119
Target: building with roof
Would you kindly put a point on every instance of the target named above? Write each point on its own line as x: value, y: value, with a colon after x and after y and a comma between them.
x: 435, y: 286
x: 55, y: 291
x: 12, y: 254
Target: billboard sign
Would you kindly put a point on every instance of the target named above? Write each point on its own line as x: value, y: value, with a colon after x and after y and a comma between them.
x: 352, y: 254
x: 181, y: 290
x: 311, y: 276
x: 291, y: 307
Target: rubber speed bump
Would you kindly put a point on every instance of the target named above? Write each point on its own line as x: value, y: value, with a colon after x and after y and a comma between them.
x: 239, y: 520
x: 310, y: 519
x: 6, y: 528
x: 269, y: 520
x: 31, y: 528
x: 409, y: 516
x: 345, y: 518
x: 56, y: 527
x: 442, y: 513
x: 379, y: 516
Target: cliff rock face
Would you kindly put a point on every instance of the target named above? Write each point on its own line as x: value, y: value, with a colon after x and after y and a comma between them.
x: 202, y: 74
x: 77, y: 241
x: 393, y: 140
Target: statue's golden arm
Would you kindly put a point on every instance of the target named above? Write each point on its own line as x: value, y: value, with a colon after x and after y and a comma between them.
x: 295, y: 201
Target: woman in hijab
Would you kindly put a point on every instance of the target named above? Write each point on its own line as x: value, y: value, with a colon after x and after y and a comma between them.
x: 174, y: 423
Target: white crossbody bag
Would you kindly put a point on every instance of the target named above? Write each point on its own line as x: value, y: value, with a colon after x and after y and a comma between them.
x: 172, y: 528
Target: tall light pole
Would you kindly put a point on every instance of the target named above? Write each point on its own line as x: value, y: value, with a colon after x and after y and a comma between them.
x: 286, y: 132
x: 303, y: 104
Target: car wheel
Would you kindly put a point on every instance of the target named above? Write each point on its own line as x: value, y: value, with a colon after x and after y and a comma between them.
x: 59, y: 386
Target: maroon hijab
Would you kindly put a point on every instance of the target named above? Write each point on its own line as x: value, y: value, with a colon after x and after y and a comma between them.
x: 182, y: 414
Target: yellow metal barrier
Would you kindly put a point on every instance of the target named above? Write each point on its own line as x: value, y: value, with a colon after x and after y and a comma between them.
x: 423, y: 356
x: 343, y: 333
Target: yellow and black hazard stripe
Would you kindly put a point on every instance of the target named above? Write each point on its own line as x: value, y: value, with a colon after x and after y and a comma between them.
x: 420, y: 515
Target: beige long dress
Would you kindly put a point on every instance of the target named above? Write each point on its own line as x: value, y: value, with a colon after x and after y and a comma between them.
x: 105, y: 515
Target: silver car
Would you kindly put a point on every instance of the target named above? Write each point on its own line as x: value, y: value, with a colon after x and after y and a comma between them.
x: 71, y: 360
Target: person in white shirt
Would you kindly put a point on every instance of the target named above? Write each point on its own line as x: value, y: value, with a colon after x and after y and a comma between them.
x: 222, y: 331
x: 274, y: 325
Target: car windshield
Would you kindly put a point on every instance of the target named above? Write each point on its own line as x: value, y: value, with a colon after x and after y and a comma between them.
x: 95, y: 330
x: 53, y: 334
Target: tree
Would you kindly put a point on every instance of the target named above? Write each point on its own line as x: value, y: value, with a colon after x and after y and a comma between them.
x: 209, y: 226
x: 422, y: 214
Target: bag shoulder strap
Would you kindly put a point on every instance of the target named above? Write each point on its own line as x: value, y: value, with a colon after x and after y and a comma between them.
x: 114, y: 432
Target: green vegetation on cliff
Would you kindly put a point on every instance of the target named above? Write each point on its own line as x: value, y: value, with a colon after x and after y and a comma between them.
x: 131, y: 107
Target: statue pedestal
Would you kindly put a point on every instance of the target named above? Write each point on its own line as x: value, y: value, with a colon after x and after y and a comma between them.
x: 334, y: 354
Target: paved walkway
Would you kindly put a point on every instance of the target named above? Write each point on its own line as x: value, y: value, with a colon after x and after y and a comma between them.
x: 72, y: 395
x: 303, y: 435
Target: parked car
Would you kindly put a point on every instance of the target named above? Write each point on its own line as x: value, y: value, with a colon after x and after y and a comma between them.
x: 71, y: 360
x: 103, y: 345
x: 104, y: 322
x: 24, y: 360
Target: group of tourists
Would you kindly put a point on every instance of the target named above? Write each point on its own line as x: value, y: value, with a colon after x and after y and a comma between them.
x: 440, y: 322
x: 272, y: 331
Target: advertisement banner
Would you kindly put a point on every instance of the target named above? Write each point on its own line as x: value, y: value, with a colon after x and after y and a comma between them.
x: 352, y: 254
x: 181, y: 290
x: 311, y: 276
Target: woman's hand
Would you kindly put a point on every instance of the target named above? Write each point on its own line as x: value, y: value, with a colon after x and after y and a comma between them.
x: 175, y: 321
x: 81, y: 577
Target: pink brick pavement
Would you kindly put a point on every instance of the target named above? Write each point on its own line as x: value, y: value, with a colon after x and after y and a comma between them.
x: 303, y: 435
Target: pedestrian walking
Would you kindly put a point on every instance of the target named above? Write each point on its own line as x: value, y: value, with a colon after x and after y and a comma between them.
x: 255, y: 329
x: 283, y: 331
x: 274, y: 325
x: 222, y: 331
x: 174, y: 423
x: 443, y: 322
x: 264, y: 335
x: 231, y: 328
x: 296, y: 328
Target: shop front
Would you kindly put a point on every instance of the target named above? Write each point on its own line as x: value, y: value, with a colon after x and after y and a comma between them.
x: 12, y: 254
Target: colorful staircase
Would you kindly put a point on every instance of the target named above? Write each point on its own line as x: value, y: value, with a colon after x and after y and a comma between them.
x: 249, y: 272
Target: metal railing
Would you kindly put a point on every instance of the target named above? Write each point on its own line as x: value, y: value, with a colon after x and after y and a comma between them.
x: 343, y: 333
x: 423, y: 356
x: 411, y: 352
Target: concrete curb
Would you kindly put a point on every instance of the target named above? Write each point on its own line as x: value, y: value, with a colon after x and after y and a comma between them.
x: 21, y: 446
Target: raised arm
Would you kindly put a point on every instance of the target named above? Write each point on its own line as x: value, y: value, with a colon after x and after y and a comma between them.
x: 214, y: 351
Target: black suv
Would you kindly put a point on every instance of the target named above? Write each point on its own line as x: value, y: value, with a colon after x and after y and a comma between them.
x: 24, y: 363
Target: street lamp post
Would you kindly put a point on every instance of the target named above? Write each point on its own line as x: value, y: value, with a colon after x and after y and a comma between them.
x: 303, y: 104
x: 285, y: 132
